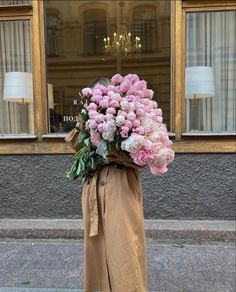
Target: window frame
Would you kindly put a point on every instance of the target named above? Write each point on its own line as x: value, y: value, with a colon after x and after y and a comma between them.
x: 46, y: 143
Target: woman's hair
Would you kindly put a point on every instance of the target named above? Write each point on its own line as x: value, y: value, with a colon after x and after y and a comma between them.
x: 101, y: 80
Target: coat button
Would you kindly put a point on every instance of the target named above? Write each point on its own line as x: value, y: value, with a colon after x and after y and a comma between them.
x: 102, y: 183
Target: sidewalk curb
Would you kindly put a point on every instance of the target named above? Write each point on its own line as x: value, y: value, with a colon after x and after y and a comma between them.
x: 192, y: 230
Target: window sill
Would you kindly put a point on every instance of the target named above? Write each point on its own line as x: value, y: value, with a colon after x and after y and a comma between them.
x: 60, y: 147
x: 17, y: 136
x: 208, y: 133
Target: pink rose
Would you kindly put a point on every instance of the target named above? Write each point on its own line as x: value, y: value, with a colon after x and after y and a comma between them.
x: 87, y: 92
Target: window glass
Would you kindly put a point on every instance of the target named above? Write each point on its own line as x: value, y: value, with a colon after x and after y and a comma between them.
x: 14, y: 2
x: 16, y: 89
x: 77, y: 52
x: 210, y: 74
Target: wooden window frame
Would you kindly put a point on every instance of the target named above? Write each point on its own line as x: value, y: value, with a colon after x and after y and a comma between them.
x: 44, y: 143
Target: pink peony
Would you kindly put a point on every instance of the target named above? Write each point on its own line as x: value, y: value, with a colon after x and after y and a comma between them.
x: 120, y: 120
x: 99, y: 118
x: 158, y: 170
x: 104, y: 103
x: 87, y: 92
x: 111, y: 111
x: 125, y: 86
x: 131, y: 116
x: 143, y: 157
x: 116, y: 79
x: 114, y: 103
x: 124, y: 131
x: 95, y: 138
x: 124, y: 104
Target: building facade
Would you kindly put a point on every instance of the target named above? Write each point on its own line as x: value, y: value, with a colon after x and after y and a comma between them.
x: 50, y: 50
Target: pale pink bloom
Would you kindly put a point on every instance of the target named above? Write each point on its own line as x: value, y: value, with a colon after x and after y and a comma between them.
x: 149, y: 93
x: 114, y: 103
x: 132, y: 106
x: 122, y: 113
x: 148, y: 124
x: 128, y: 124
x: 116, y: 96
x: 124, y: 131
x: 140, y: 85
x: 92, y: 106
x: 110, y: 92
x: 143, y: 157
x: 87, y: 92
x: 140, y: 130
x: 124, y: 104
x: 99, y: 118
x: 132, y: 78
x: 109, y: 117
x: 92, y: 113
x: 125, y: 85
x: 133, y: 143
x: 159, y: 119
x: 131, y: 116
x: 111, y: 111
x: 100, y: 87
x: 95, y: 138
x: 100, y: 128
x: 140, y: 112
x: 155, y: 105
x: 116, y: 79
x: 158, y: 170
x: 120, y: 120
x: 104, y: 103
x: 97, y: 91
x: 92, y: 124
x: 96, y: 98
x: 158, y: 112
x: 136, y: 123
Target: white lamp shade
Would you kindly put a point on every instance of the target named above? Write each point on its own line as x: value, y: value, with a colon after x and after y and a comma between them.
x: 199, y: 82
x: 18, y: 87
x: 50, y: 96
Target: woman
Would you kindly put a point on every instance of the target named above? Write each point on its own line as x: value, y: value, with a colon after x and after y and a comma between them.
x: 114, y: 236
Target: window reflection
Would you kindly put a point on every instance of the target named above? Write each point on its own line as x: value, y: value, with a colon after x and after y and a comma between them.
x: 76, y: 51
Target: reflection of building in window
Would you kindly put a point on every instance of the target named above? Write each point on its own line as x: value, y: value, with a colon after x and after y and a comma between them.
x: 53, y: 25
x: 144, y: 26
x: 95, y: 29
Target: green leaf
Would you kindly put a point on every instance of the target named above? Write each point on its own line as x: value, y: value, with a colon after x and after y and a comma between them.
x: 179, y: 245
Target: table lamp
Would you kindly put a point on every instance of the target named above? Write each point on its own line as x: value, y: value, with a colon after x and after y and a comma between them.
x: 18, y: 87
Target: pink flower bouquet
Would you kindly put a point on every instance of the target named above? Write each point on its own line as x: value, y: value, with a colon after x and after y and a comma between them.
x: 122, y: 115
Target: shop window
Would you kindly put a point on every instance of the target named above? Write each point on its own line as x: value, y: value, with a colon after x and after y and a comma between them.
x: 16, y: 89
x: 145, y: 26
x: 210, y: 73
x: 84, y: 27
x: 95, y: 29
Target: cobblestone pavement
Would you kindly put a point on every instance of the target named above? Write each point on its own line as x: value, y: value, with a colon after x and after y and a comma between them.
x: 58, y: 265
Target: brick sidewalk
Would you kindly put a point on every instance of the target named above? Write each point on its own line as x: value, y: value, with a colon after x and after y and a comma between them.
x: 58, y: 264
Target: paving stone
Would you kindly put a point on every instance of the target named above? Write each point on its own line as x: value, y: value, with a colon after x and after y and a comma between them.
x: 58, y: 264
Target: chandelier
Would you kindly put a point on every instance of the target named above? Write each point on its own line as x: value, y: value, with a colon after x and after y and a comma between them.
x: 122, y: 42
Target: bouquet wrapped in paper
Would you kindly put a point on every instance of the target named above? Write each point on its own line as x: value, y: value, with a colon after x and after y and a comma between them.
x: 123, y: 117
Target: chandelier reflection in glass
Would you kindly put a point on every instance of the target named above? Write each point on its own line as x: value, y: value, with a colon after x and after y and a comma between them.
x: 122, y: 43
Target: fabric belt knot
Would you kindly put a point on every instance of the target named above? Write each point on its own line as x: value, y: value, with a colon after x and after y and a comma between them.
x: 93, y: 206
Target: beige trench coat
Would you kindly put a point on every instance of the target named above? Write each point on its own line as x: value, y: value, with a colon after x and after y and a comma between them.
x: 114, y: 236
